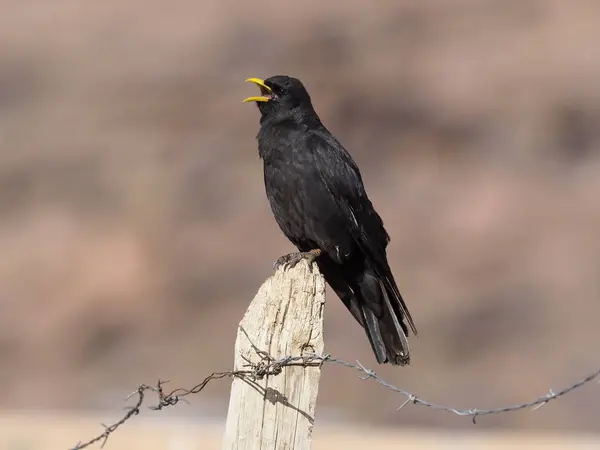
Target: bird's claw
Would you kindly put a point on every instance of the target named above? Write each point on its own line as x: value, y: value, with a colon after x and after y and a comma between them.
x: 290, y: 260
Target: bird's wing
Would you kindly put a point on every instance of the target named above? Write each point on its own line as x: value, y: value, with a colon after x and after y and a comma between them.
x: 343, y: 180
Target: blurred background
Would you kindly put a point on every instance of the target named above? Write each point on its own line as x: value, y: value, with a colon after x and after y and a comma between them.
x: 135, y: 229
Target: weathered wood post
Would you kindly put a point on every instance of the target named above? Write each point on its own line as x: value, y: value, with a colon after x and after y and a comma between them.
x: 284, y: 319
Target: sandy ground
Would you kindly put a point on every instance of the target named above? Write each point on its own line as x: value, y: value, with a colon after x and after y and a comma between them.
x: 46, y: 432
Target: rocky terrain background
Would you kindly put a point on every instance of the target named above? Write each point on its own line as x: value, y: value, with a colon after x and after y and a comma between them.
x: 135, y: 229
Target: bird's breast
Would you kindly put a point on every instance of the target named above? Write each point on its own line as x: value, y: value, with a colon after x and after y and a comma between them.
x: 306, y: 211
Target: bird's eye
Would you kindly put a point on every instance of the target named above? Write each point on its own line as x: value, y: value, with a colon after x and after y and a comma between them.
x: 278, y: 90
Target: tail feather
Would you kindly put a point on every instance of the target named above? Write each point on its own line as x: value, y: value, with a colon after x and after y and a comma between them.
x: 375, y: 335
x: 398, y: 349
x: 386, y: 326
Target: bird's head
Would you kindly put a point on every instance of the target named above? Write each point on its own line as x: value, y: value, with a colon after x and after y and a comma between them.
x: 280, y: 94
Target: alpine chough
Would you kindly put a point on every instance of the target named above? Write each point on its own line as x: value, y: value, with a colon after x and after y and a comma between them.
x: 319, y: 201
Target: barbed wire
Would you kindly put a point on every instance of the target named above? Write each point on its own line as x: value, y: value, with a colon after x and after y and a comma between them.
x: 269, y: 366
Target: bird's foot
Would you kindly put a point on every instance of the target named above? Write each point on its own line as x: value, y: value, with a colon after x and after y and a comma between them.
x: 291, y: 259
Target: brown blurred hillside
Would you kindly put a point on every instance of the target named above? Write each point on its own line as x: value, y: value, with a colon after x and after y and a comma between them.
x: 135, y: 228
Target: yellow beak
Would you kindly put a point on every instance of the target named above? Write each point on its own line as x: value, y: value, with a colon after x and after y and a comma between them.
x: 264, y: 90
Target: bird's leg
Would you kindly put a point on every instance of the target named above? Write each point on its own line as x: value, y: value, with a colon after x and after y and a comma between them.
x: 290, y: 260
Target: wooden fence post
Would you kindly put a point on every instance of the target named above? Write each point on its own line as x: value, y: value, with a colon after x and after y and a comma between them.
x: 284, y: 319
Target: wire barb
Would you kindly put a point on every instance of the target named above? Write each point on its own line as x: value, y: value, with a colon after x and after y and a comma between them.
x: 411, y: 399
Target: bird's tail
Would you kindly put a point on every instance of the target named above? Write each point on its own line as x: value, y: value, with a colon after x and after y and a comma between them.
x: 382, y: 322
x: 375, y: 307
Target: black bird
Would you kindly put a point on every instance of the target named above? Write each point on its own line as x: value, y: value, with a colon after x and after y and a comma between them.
x: 318, y: 199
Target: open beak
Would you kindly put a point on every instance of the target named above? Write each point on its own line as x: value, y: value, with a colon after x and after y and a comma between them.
x: 265, y: 90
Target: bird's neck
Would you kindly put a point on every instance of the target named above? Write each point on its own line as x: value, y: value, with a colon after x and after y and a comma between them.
x: 279, y: 130
x: 305, y: 116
